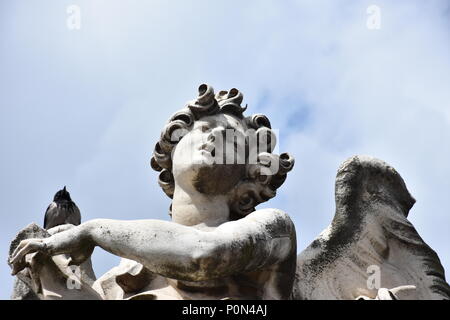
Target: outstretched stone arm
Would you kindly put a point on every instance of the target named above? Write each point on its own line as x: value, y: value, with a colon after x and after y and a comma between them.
x: 261, y: 239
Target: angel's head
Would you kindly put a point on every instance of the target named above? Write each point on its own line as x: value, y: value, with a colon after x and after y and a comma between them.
x: 210, y: 147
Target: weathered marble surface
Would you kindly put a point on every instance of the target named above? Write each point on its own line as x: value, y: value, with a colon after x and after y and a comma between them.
x: 218, y: 246
x: 370, y: 228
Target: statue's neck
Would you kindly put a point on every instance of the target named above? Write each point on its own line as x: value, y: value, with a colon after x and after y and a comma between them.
x: 196, y: 209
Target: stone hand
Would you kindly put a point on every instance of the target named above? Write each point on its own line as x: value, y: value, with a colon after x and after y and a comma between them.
x: 25, y: 247
x: 73, y: 241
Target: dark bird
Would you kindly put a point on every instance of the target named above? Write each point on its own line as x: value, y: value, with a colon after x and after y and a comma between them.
x: 62, y: 211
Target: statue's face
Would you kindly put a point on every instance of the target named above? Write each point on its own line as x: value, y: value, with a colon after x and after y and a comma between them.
x: 211, y: 157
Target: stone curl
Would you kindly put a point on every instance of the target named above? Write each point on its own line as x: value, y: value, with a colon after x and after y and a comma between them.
x: 259, y: 183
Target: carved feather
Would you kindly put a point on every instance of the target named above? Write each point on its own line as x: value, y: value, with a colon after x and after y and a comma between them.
x: 370, y: 232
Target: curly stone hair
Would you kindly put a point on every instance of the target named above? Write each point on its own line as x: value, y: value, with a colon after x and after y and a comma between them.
x: 255, y: 187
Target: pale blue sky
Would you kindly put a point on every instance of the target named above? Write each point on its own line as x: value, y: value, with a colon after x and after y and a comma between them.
x: 85, y: 108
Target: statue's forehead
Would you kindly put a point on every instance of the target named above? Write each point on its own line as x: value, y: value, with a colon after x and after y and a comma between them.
x: 222, y: 119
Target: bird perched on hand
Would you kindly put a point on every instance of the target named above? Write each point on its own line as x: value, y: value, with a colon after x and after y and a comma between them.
x: 62, y: 211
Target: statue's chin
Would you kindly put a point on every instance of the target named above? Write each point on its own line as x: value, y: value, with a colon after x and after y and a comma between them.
x: 217, y: 179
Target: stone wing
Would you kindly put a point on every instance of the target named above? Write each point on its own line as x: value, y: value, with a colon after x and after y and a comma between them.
x: 370, y: 242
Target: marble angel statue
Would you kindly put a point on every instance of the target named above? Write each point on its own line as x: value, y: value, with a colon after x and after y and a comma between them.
x: 217, y: 165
